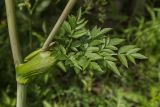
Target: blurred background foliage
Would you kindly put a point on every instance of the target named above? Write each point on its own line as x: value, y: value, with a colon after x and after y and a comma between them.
x: 138, y: 21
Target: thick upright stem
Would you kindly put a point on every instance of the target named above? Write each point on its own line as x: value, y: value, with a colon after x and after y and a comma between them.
x: 61, y: 19
x: 13, y: 31
x: 21, y: 89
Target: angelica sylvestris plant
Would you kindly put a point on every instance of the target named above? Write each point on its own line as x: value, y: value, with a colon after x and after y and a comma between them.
x: 79, y: 48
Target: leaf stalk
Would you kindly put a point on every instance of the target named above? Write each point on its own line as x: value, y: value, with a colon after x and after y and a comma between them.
x: 58, y: 24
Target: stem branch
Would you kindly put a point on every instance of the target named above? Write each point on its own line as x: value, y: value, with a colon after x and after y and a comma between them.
x: 58, y: 24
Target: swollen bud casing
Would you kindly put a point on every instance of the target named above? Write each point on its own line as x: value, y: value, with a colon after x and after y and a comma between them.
x: 39, y: 64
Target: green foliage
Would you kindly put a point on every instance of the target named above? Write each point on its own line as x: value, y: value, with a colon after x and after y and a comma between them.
x: 91, y: 50
x: 88, y: 55
x: 146, y: 35
x: 7, y: 101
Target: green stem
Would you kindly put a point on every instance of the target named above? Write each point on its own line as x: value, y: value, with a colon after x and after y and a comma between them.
x: 21, y: 95
x: 58, y: 24
x: 21, y: 89
x: 13, y: 31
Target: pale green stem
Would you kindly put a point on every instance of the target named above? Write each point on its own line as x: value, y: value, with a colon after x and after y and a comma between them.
x: 21, y: 95
x: 58, y: 24
x: 21, y: 89
x: 13, y: 31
